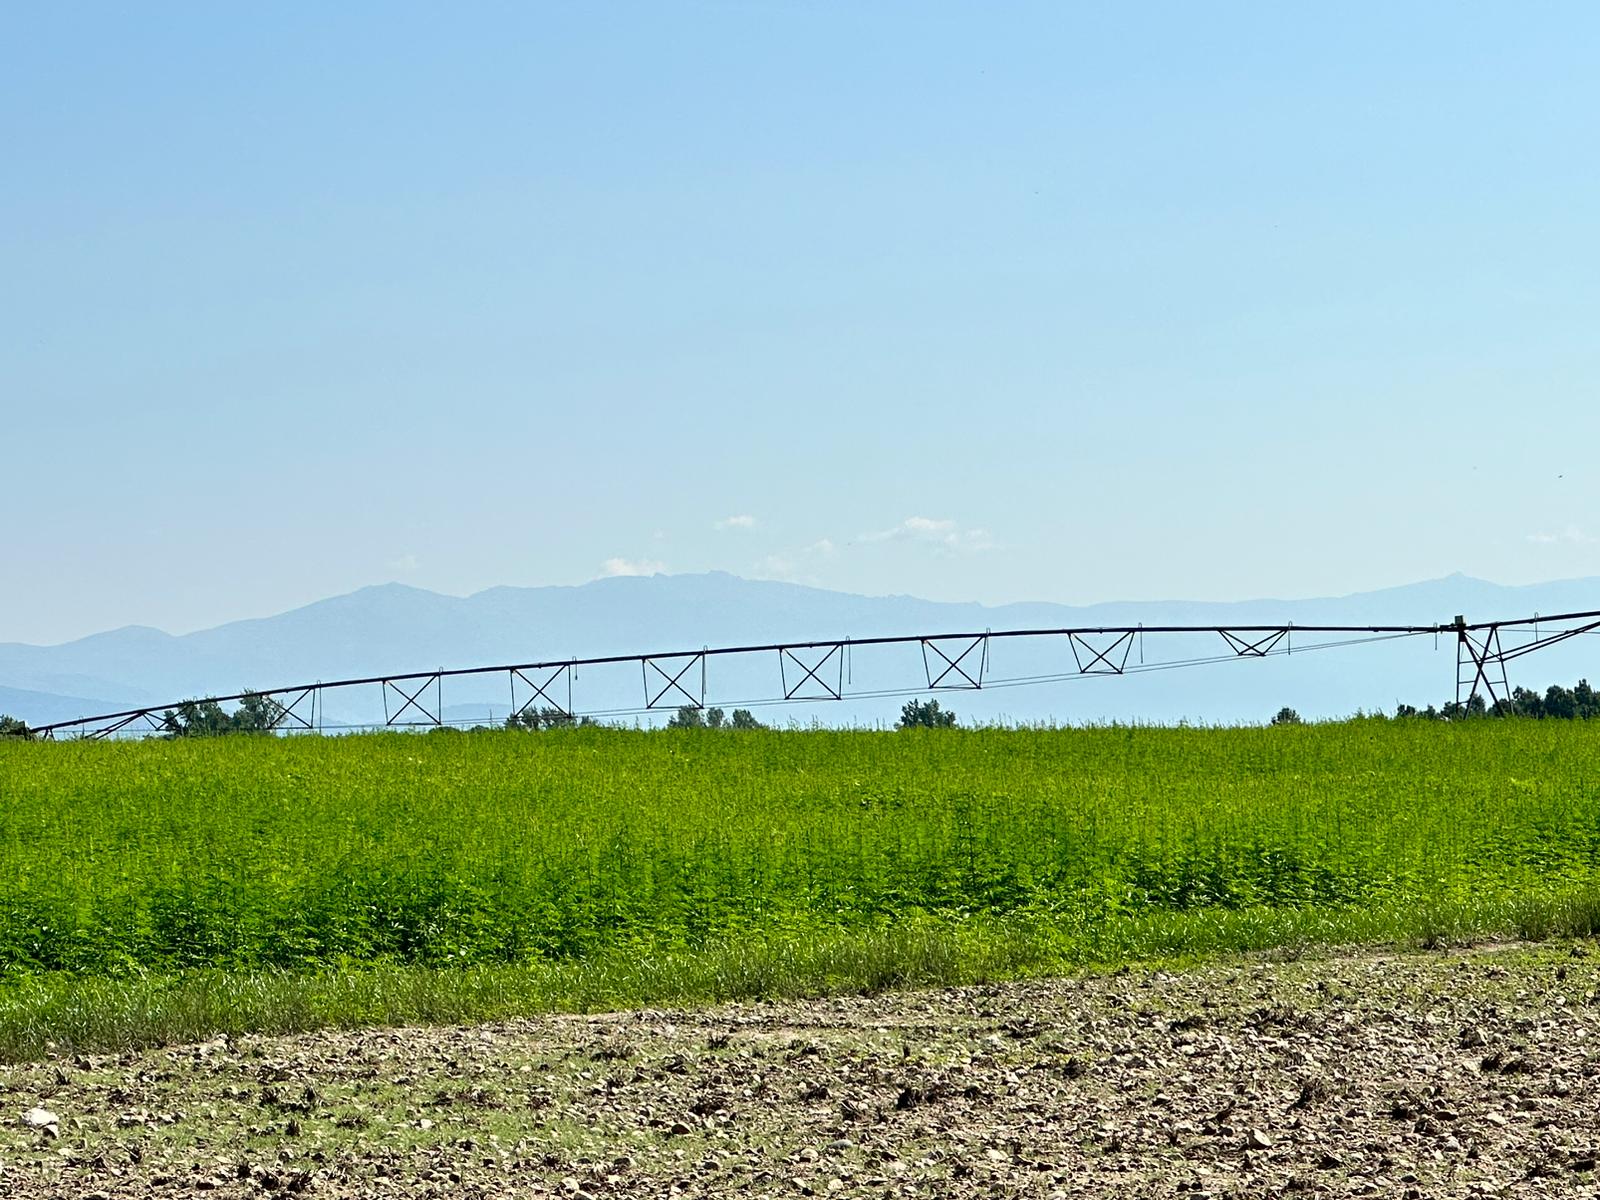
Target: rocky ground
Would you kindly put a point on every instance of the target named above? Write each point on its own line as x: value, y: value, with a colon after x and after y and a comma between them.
x: 1406, y: 1074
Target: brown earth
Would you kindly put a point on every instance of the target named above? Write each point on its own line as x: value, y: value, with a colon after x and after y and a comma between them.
x: 1400, y: 1073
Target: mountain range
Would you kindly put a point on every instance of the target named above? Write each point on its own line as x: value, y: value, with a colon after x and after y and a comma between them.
x: 392, y: 628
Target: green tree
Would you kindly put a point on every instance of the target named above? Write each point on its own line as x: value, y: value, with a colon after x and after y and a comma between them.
x: 1587, y: 700
x: 533, y: 720
x: 256, y: 714
x: 925, y: 714
x: 690, y: 717
x: 195, y: 718
x: 207, y: 718
x: 1287, y: 716
x: 1475, y: 707
x: 14, y: 727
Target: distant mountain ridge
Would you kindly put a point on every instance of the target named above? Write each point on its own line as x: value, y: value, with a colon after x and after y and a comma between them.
x: 394, y: 628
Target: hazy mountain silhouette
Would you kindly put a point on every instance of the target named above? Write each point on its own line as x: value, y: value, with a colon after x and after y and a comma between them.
x: 393, y: 628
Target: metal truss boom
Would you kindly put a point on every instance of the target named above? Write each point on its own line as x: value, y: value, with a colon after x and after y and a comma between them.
x: 677, y: 678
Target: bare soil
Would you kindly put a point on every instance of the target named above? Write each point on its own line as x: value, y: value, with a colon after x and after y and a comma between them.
x: 1405, y: 1073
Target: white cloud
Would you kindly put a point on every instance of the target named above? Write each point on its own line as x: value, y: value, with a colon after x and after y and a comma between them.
x: 935, y: 531
x: 742, y: 521
x: 406, y: 562
x: 1570, y: 536
x: 614, y: 567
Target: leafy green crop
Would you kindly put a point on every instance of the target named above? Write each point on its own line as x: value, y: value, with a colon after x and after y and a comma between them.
x: 505, y: 849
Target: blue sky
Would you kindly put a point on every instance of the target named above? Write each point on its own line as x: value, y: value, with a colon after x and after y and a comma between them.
x: 982, y: 302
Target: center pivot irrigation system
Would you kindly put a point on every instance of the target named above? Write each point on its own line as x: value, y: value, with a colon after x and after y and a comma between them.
x: 821, y: 671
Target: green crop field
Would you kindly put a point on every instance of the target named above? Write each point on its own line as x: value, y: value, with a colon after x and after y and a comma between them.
x: 167, y: 889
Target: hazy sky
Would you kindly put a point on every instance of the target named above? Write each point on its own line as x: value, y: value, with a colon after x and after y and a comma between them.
x: 976, y: 301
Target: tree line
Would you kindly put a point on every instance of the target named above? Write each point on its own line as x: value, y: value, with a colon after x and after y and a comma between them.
x: 1557, y: 703
x: 261, y: 714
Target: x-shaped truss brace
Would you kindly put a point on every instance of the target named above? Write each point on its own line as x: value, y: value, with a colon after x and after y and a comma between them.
x: 286, y: 717
x: 1109, y: 659
x: 544, y: 690
x: 964, y: 671
x: 661, y: 682
x: 815, y: 676
x: 1251, y: 646
x: 413, y: 701
x: 1476, y: 660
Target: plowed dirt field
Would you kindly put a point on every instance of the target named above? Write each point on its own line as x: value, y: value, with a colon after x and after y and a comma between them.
x: 1472, y: 1072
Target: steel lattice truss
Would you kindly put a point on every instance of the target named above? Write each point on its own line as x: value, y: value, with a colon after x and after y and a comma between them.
x: 820, y: 670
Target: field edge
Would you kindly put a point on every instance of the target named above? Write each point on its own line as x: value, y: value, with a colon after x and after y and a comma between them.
x: 59, y: 1014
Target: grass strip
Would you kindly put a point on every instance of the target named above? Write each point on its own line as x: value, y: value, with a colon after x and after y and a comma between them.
x: 60, y: 1013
